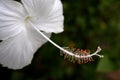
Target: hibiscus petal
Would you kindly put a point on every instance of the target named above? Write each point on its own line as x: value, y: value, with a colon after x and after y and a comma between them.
x: 11, y: 14
x: 38, y: 7
x: 17, y: 52
x: 47, y: 14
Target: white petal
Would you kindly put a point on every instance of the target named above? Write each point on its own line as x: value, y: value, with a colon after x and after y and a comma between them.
x: 18, y: 51
x: 38, y: 7
x: 11, y: 14
x: 49, y: 14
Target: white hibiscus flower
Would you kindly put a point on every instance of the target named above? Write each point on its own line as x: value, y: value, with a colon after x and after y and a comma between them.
x: 27, y: 26
x: 20, y: 27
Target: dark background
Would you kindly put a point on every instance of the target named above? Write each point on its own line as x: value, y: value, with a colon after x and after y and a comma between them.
x: 88, y: 24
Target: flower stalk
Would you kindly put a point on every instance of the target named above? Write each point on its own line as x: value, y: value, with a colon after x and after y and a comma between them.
x: 81, y: 56
x: 70, y: 53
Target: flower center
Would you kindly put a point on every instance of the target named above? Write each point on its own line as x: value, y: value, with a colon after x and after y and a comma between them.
x: 27, y: 18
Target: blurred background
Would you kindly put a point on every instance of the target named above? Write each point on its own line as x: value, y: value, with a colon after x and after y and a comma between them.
x: 88, y: 24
